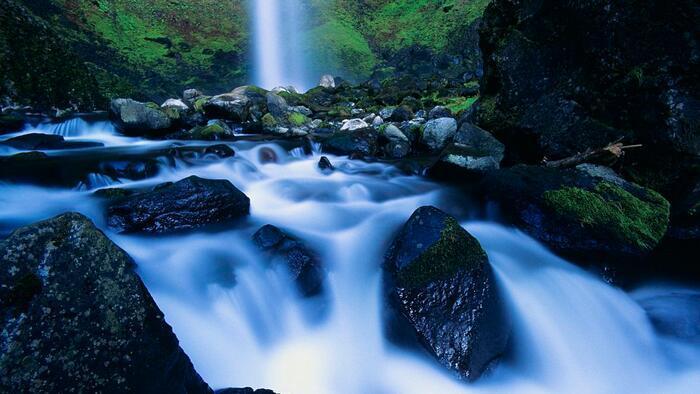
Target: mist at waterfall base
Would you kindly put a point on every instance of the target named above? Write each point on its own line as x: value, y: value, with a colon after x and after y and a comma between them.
x: 278, y: 42
x: 243, y: 324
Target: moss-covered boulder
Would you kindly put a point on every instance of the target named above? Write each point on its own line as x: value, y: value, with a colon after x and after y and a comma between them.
x: 216, y: 130
x: 443, y: 287
x: 583, y: 212
x: 74, y: 315
x: 135, y: 117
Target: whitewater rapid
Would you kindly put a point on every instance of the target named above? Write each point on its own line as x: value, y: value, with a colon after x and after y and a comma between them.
x: 243, y: 324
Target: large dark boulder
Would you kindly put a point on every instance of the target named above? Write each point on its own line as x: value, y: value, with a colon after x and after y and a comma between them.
x: 565, y: 76
x: 474, y: 152
x: 362, y: 142
x: 38, y: 141
x: 188, y: 204
x: 75, y: 316
x: 588, y: 212
x: 444, y: 288
x: 301, y: 262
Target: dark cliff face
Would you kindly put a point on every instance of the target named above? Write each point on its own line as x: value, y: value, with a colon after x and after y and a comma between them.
x: 36, y: 66
x: 564, y: 76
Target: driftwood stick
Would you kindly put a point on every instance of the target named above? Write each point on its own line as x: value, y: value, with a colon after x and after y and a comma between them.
x: 606, y: 155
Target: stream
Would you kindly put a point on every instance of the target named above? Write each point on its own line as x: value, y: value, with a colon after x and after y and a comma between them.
x: 242, y: 322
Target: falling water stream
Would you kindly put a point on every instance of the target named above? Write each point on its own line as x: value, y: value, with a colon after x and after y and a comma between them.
x: 243, y: 324
x: 278, y: 43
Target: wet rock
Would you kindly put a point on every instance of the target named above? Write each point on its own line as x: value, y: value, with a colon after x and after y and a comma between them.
x: 443, y: 288
x: 439, y: 112
x: 437, y: 133
x: 303, y: 264
x: 354, y: 124
x: 276, y: 105
x: 590, y: 219
x: 185, y: 205
x: 401, y: 114
x: 11, y: 122
x: 71, y: 301
x: 220, y: 150
x: 190, y: 95
x: 327, y: 81
x: 238, y: 105
x: 134, y: 117
x: 362, y: 142
x: 37, y: 141
x: 398, y: 145
x: 175, y: 104
x: 473, y: 153
x: 113, y: 193
x: 245, y: 390
x: 325, y: 165
x: 214, y: 131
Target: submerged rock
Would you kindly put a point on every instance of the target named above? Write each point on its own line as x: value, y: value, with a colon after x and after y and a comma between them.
x: 578, y: 214
x: 302, y: 263
x: 444, y: 288
x: 37, y: 141
x: 185, y: 205
x: 245, y: 390
x: 325, y: 165
x: 75, y: 316
x: 135, y: 117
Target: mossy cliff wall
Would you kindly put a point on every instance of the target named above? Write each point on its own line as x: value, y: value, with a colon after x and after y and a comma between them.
x: 81, y: 52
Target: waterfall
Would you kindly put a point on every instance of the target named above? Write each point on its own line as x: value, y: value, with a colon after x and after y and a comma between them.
x: 278, y: 42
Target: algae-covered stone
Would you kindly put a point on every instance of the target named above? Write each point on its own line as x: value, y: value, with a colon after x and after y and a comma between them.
x: 579, y: 214
x: 216, y: 130
x: 444, y: 289
x: 135, y: 117
x: 75, y: 316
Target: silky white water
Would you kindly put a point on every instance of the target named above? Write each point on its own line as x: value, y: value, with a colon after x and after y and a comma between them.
x: 278, y: 44
x: 242, y: 323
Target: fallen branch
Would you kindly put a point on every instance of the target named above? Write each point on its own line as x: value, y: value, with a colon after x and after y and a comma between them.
x: 607, y: 156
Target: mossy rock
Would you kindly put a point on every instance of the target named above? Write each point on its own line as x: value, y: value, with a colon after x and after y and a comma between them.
x: 296, y: 119
x: 74, y: 313
x: 579, y: 214
x: 441, y: 282
x: 269, y: 121
x: 433, y: 246
x: 217, y: 130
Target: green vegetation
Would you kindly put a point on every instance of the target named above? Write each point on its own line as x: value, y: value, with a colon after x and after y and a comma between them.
x: 296, y: 119
x: 342, y: 47
x: 615, y: 211
x: 455, y: 250
x: 355, y: 36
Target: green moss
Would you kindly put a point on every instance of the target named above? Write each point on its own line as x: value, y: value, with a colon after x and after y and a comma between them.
x: 458, y: 104
x: 269, y: 121
x: 297, y: 119
x: 610, y: 209
x: 339, y: 46
x: 199, y: 103
x: 454, y: 251
x: 389, y: 25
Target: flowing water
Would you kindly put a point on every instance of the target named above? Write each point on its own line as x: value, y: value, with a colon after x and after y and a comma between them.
x: 243, y: 324
x: 278, y: 42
